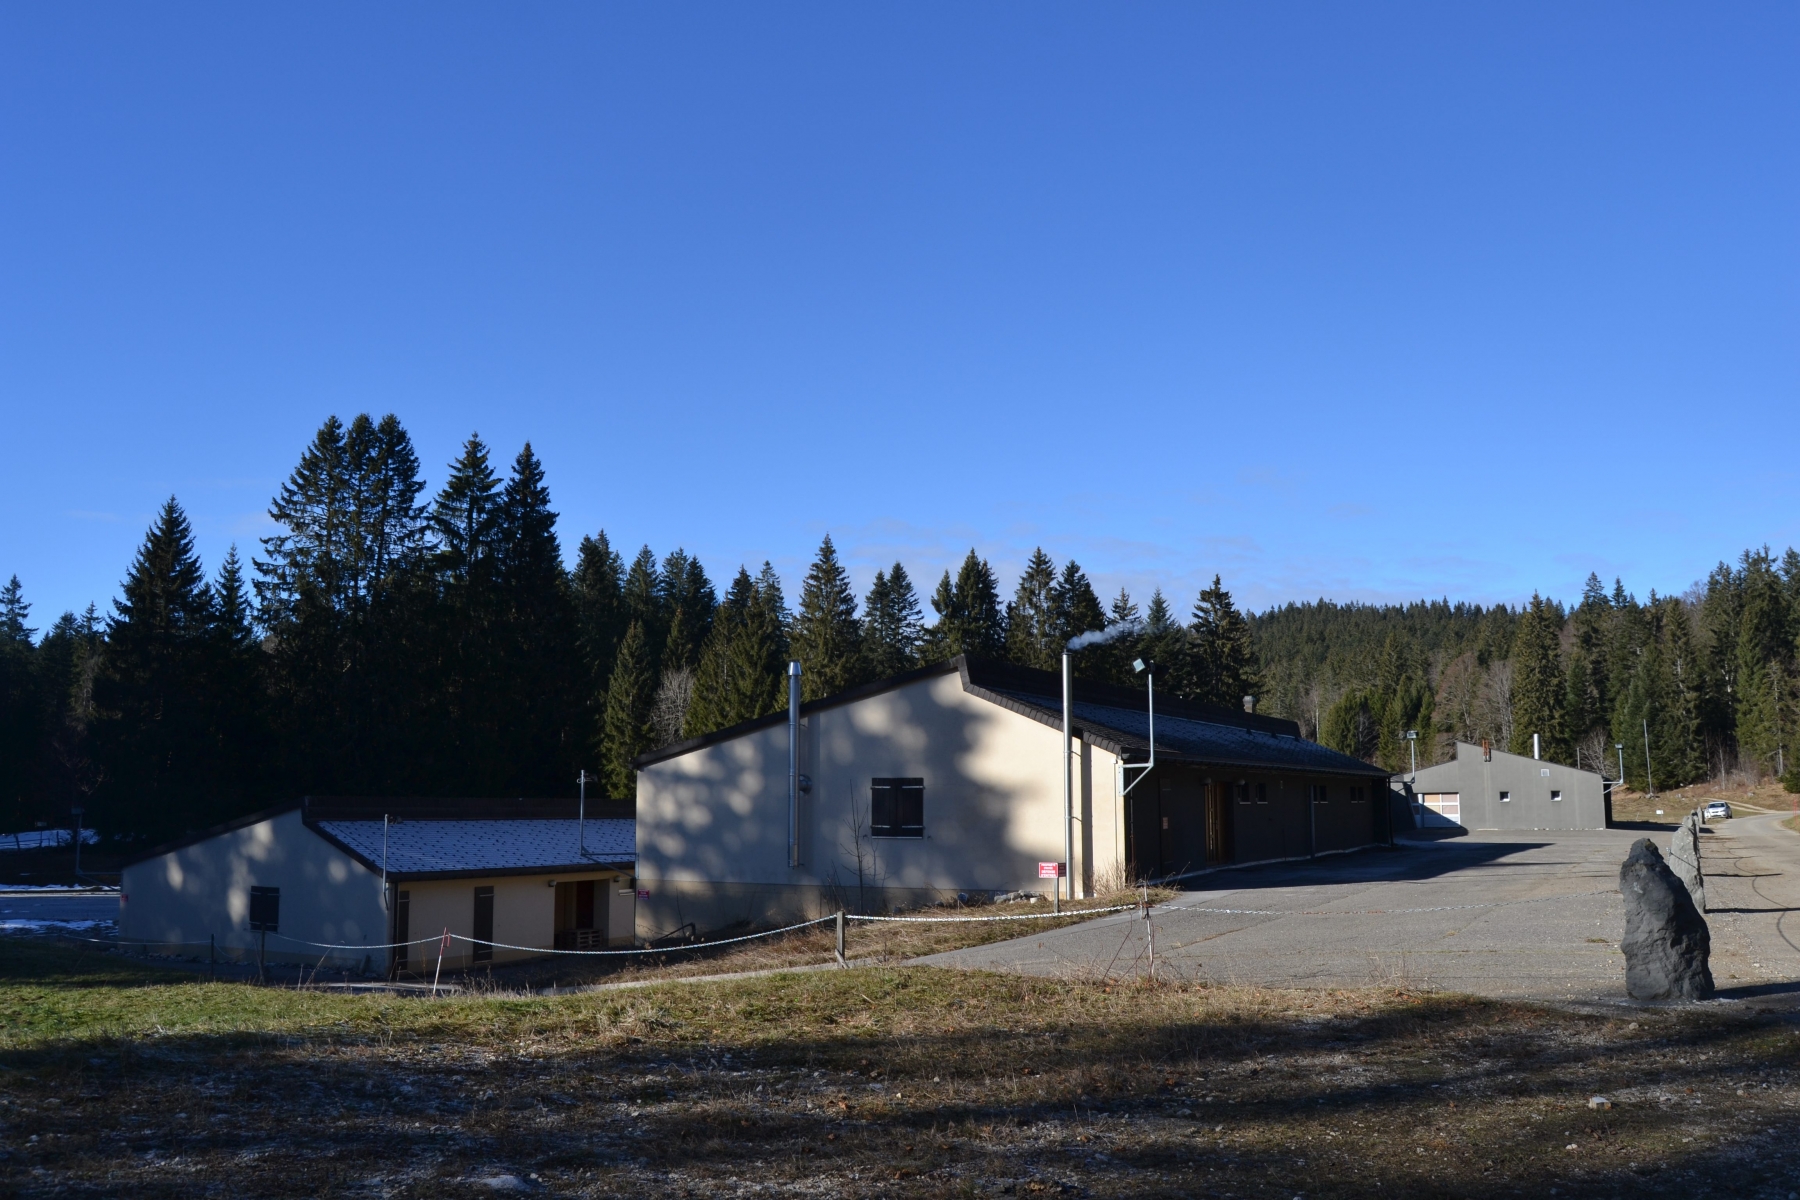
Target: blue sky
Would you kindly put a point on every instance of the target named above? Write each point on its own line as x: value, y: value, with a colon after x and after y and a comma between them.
x: 1368, y: 301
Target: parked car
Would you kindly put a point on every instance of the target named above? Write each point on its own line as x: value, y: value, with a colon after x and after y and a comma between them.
x: 1718, y: 810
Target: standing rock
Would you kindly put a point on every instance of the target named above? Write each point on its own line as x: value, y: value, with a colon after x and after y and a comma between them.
x: 1666, y: 940
x: 1684, y: 860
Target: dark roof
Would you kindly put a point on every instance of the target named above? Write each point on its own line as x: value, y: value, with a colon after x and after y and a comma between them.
x: 418, y: 808
x: 1107, y: 715
x: 426, y: 848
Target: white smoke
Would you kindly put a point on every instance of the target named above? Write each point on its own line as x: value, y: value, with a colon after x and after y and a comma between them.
x: 1099, y: 637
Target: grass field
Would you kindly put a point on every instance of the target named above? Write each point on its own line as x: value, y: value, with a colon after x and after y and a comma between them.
x: 116, y: 1079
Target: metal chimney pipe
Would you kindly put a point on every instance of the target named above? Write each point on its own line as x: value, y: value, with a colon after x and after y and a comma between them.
x: 1534, y: 746
x: 1068, y: 789
x: 794, y: 763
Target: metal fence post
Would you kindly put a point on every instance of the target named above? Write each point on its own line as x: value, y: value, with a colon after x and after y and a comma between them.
x: 840, y: 939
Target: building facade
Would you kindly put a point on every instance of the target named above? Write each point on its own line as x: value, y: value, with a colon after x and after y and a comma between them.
x: 336, y: 881
x: 947, y: 781
x: 1483, y: 788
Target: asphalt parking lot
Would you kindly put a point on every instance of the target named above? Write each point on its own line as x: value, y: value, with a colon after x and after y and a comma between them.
x: 1515, y: 915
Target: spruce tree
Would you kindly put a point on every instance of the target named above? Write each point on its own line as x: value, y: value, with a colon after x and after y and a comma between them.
x: 599, y: 595
x: 1764, y: 646
x: 686, y: 602
x: 1538, y: 684
x: 644, y: 603
x: 1032, y: 627
x: 538, y: 671
x: 1118, y: 654
x: 236, y: 696
x: 1165, y: 643
x: 156, y: 741
x: 1225, y: 666
x: 892, y: 628
x: 629, y: 697
x: 1077, y: 611
x: 827, y: 637
x: 969, y: 618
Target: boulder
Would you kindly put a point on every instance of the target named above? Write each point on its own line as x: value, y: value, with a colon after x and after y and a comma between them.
x: 1684, y: 860
x: 1667, y: 943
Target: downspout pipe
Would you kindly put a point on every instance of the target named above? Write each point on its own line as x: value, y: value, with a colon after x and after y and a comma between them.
x: 794, y: 763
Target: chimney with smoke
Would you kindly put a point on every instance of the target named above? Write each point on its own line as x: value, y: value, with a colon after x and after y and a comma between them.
x: 1099, y: 637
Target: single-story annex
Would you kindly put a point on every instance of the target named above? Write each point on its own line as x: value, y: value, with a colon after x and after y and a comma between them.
x: 348, y: 872
x: 947, y: 780
x: 1484, y: 788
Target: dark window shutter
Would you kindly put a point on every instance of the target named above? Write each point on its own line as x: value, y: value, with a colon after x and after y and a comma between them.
x: 265, y: 909
x: 896, y: 808
x: 484, y: 923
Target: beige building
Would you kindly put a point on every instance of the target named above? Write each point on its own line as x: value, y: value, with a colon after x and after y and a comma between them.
x: 947, y: 781
x: 336, y: 879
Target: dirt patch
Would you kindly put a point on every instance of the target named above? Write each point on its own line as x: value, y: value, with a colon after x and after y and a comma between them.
x: 889, y: 1082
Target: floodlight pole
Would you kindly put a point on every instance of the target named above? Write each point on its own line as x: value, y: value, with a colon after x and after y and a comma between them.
x: 581, y: 781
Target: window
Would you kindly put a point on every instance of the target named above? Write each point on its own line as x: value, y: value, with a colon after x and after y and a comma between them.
x: 1555, y: 797
x: 1318, y: 793
x: 484, y: 924
x: 265, y: 909
x: 1506, y: 797
x: 897, y: 808
x: 1262, y: 793
x: 1356, y: 795
x: 1544, y: 771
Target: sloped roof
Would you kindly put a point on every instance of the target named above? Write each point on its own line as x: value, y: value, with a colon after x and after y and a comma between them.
x: 422, y: 849
x: 1109, y: 716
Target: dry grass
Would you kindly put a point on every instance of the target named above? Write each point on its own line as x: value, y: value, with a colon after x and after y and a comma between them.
x: 872, y: 1082
x: 882, y: 943
x: 1744, y: 798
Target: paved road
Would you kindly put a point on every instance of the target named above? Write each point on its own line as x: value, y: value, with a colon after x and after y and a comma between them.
x: 1524, y: 915
x: 22, y: 912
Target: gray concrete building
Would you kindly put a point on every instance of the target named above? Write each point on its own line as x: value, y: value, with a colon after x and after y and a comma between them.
x: 1491, y: 789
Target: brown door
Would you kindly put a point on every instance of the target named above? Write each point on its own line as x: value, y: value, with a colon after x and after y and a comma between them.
x: 1218, y: 822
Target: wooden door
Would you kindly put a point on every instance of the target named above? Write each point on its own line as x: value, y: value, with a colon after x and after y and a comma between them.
x: 1218, y: 822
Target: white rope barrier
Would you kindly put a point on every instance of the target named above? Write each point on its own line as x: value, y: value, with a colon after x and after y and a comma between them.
x: 748, y: 937
x: 1049, y: 916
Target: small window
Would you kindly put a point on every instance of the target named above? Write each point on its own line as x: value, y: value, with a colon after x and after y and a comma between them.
x: 897, y: 808
x: 1356, y: 795
x: 1544, y: 771
x: 1555, y: 797
x: 265, y: 909
x: 1506, y: 797
x: 1242, y: 791
x: 1262, y: 793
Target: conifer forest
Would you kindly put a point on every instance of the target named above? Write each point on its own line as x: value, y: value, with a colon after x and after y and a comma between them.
x: 386, y: 643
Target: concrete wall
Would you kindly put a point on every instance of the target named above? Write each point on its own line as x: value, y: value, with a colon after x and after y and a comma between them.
x: 204, y: 889
x: 712, y: 823
x: 1529, y: 782
x: 524, y: 914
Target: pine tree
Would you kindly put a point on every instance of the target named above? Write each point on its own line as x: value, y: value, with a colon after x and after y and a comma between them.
x: 892, y: 627
x: 969, y: 618
x: 827, y: 636
x: 686, y: 603
x: 629, y: 697
x: 19, y: 704
x: 1764, y: 645
x: 1032, y: 627
x: 538, y: 670
x: 742, y: 673
x: 1538, y: 684
x: 236, y: 696
x: 599, y: 595
x: 1351, y: 727
x: 157, y: 744
x: 344, y: 598
x: 1076, y: 610
x: 1115, y: 657
x: 1225, y: 665
x: 643, y: 593
x: 1165, y: 643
